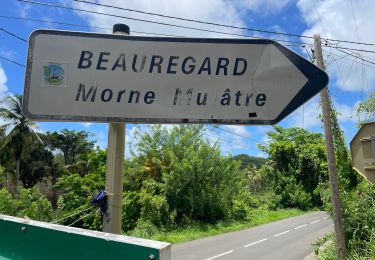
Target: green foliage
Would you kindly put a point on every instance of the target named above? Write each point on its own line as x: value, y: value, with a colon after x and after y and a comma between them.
x: 299, y: 166
x: 77, y: 194
x: 20, y: 133
x: 243, y: 205
x: 347, y: 176
x: 260, y: 180
x: 199, y: 229
x: 359, y: 218
x: 130, y: 210
x: 2, y: 177
x: 180, y: 174
x: 247, y: 161
x: 73, y: 144
x: 35, y: 164
x: 28, y: 203
x: 6, y: 203
x: 292, y: 194
x: 144, y: 229
x: 326, y: 239
x: 365, y: 110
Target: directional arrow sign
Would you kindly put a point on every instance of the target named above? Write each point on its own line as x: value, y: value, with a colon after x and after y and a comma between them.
x: 74, y: 76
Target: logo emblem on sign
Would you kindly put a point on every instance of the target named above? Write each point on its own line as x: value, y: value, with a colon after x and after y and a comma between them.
x: 53, y: 74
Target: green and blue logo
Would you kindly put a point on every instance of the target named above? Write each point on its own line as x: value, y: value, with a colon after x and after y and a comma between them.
x: 53, y: 74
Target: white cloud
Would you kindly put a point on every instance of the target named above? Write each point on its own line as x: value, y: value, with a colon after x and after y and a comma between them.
x: 210, y: 10
x: 86, y: 124
x: 216, y: 11
x: 3, y: 81
x: 336, y: 21
x: 230, y: 142
x: 264, y: 6
x: 237, y: 129
x: 345, y: 112
x: 307, y: 116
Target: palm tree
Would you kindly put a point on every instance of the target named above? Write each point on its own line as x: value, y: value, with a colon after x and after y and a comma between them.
x: 20, y: 131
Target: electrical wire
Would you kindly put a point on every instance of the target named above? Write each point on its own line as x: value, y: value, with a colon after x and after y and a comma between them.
x: 194, y: 21
x: 12, y: 61
x: 231, y: 142
x: 110, y: 29
x: 219, y: 24
x: 194, y: 28
x: 80, y: 25
x: 12, y: 34
x: 153, y: 22
x: 247, y: 138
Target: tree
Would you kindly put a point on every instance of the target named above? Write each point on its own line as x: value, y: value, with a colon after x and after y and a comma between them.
x: 73, y: 144
x: 21, y: 131
x: 35, y: 164
x: 246, y: 160
x: 180, y: 168
x: 366, y: 109
x: 299, y: 154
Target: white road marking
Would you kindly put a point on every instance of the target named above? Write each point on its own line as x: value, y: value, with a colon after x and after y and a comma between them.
x: 217, y: 256
x: 282, y: 233
x: 325, y: 217
x: 315, y: 221
x: 300, y: 226
x: 264, y: 239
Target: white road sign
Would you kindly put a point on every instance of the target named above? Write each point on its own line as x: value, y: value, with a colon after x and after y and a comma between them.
x: 75, y: 76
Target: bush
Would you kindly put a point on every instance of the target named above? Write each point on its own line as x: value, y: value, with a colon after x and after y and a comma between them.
x: 6, y: 203
x: 242, y: 206
x: 154, y: 209
x: 359, y: 218
x: 32, y: 204
x: 293, y: 194
x: 131, y: 209
x: 144, y: 229
x: 28, y: 203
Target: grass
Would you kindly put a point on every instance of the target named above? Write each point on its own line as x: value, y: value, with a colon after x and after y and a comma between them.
x: 200, y: 230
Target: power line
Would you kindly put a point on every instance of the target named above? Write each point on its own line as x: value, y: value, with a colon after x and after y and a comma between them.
x: 351, y: 49
x: 153, y: 22
x: 231, y: 142
x: 357, y: 57
x: 12, y: 34
x: 194, y: 28
x: 233, y: 133
x: 218, y: 24
x: 80, y: 25
x: 195, y: 21
x: 12, y: 61
x: 110, y: 29
x: 363, y: 67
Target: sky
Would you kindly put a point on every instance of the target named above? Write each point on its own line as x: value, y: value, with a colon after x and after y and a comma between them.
x: 351, y: 78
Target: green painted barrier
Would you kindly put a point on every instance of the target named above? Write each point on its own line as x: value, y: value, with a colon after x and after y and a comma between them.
x: 28, y: 239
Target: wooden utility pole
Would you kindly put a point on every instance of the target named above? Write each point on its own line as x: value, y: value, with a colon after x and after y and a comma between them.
x: 335, y: 196
x: 115, y: 166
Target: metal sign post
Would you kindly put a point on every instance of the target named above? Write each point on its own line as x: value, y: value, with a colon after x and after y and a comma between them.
x: 115, y: 166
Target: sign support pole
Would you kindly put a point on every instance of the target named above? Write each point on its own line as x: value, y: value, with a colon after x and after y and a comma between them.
x: 335, y: 196
x: 115, y: 166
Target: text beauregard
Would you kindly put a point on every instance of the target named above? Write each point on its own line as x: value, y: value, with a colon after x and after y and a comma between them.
x: 160, y: 64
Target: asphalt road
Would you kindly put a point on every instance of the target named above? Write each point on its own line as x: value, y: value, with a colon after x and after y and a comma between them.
x: 286, y: 239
